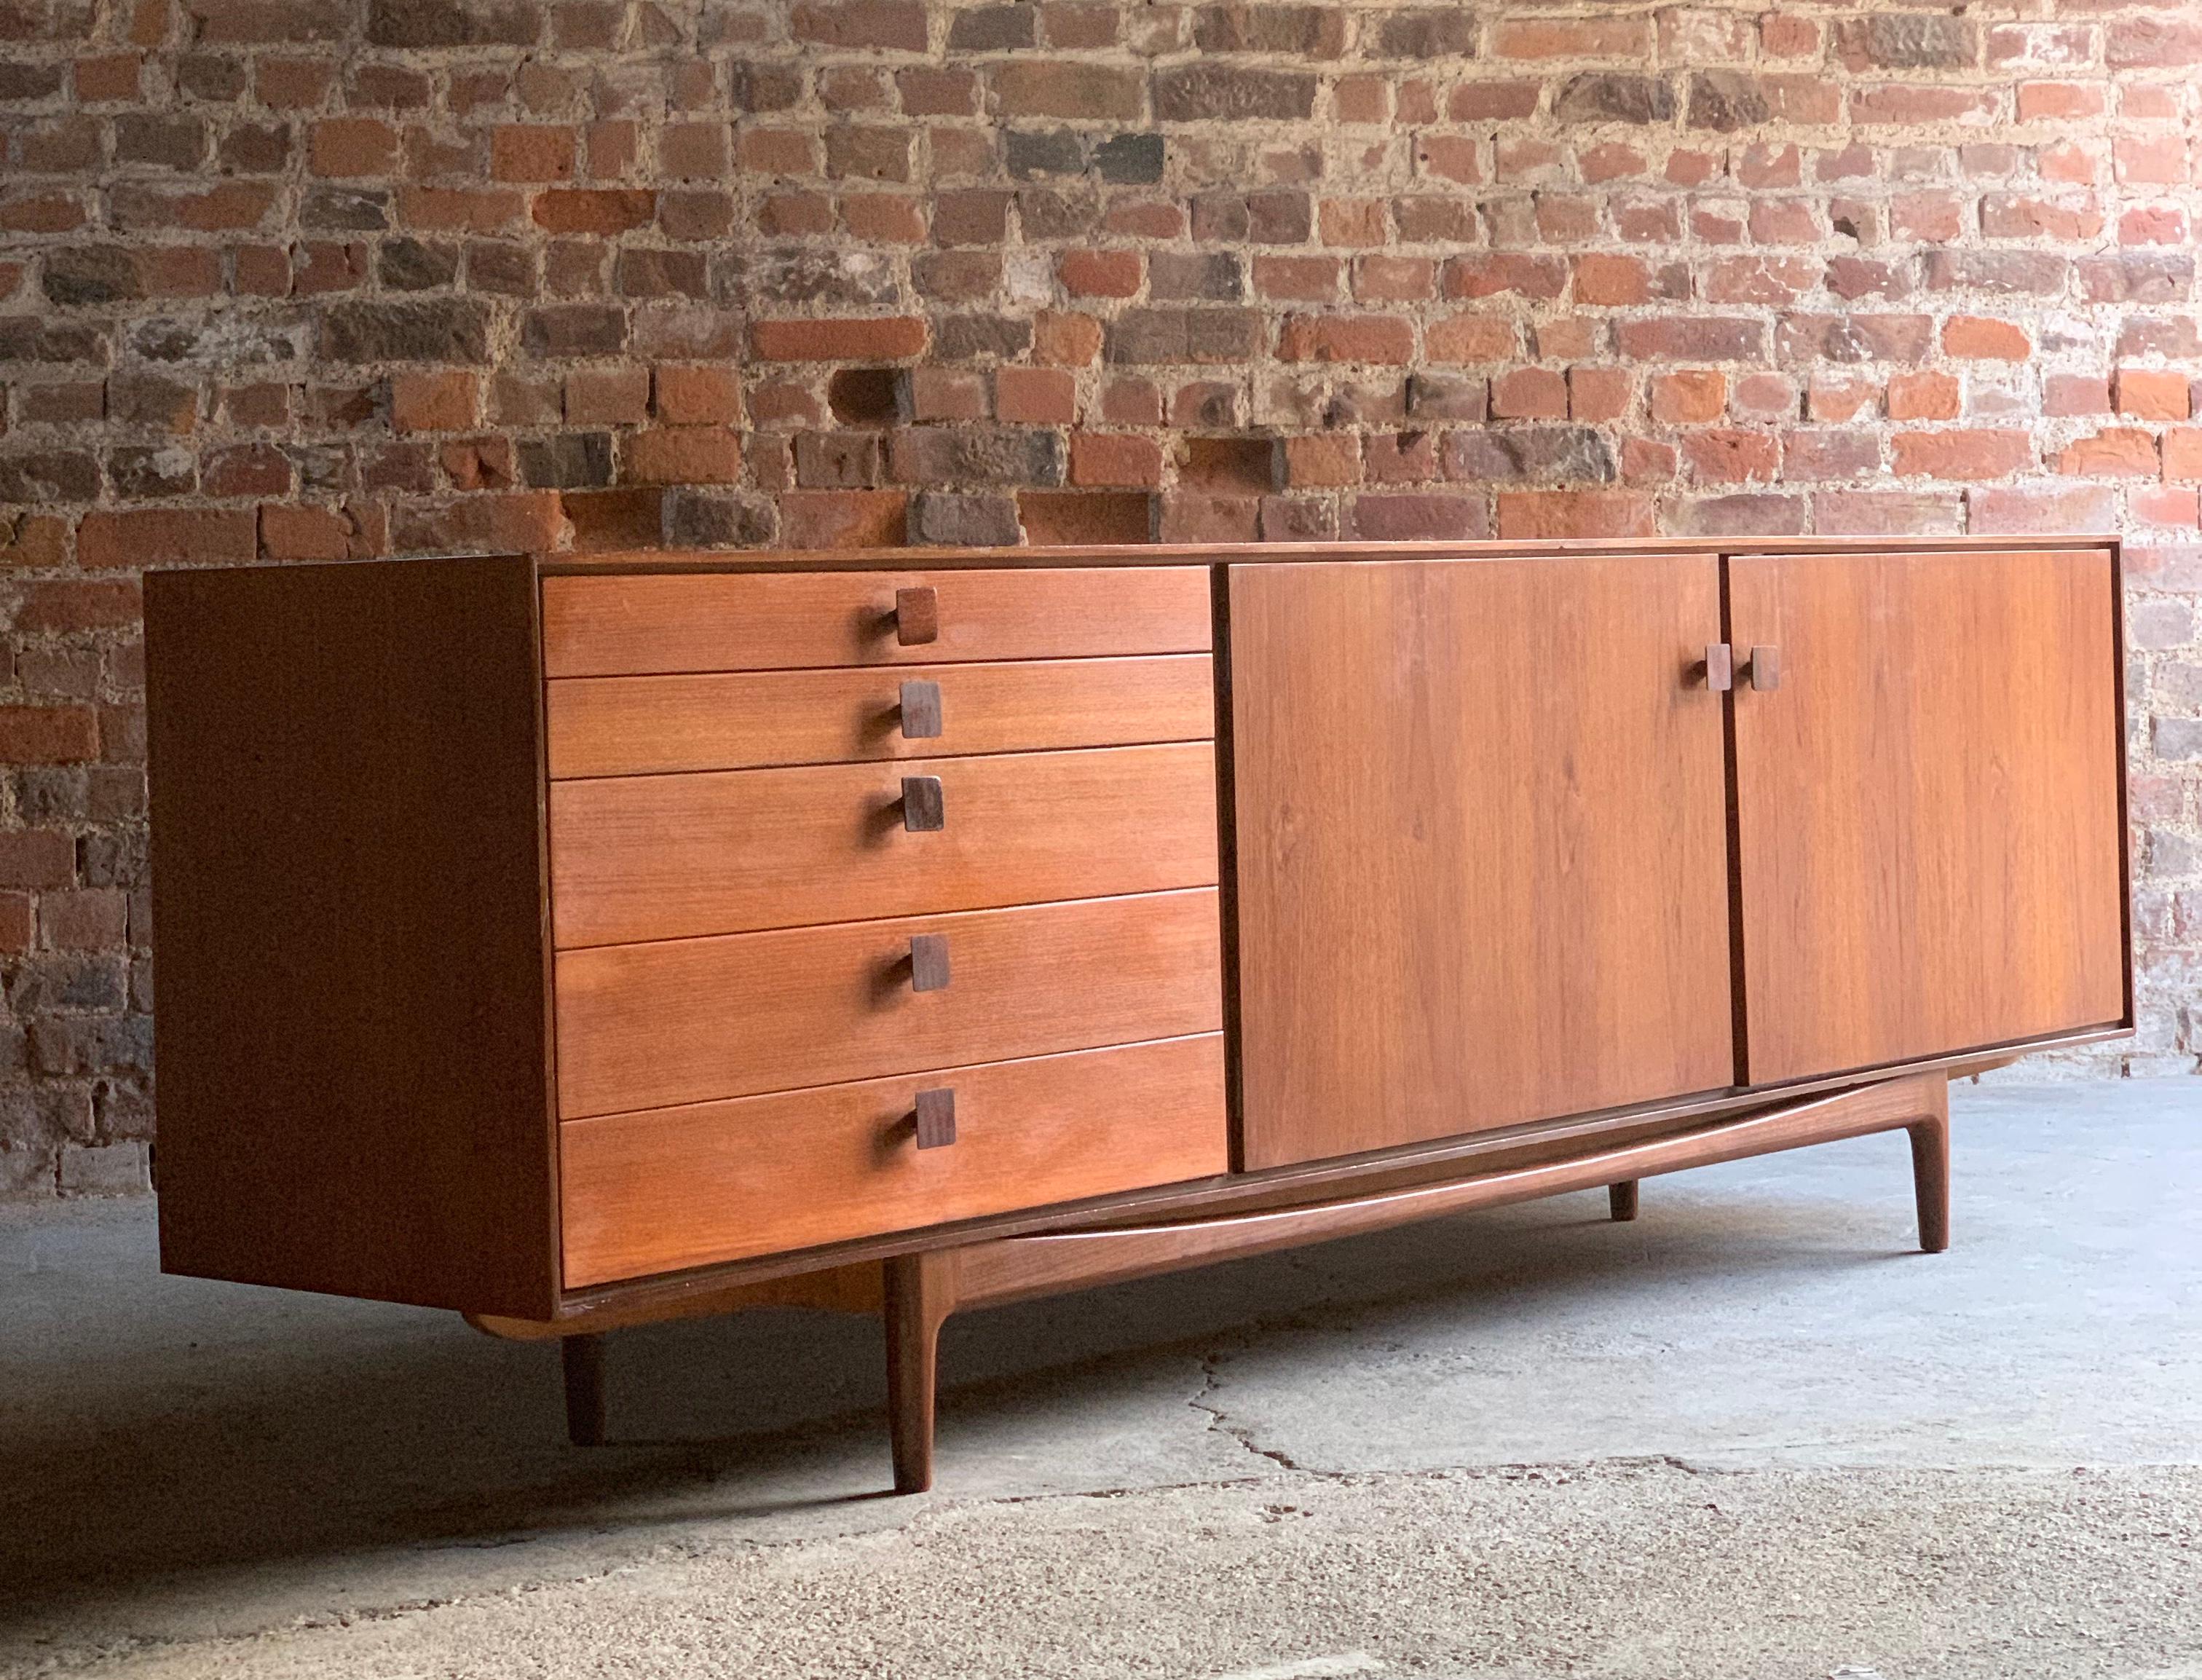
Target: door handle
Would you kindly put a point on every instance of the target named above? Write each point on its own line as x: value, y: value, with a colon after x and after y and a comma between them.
x: 924, y: 809
x: 936, y: 1118
x: 928, y: 961
x: 920, y: 711
x: 1717, y: 667
x: 1765, y: 666
x: 916, y: 615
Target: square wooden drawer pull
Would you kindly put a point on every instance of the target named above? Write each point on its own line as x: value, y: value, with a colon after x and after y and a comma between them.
x: 928, y: 961
x: 936, y: 1119
x: 923, y: 810
x: 916, y: 615
x: 920, y: 711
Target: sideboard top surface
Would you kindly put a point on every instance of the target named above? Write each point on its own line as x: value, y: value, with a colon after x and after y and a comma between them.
x: 1208, y: 554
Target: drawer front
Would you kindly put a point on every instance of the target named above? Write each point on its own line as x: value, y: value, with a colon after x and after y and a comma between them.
x: 679, y: 1020
x: 689, y: 1187
x: 629, y: 625
x: 653, y: 725
x: 671, y: 856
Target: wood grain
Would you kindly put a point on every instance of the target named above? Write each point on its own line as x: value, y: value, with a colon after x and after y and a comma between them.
x: 1024, y: 1267
x: 668, y: 857
x: 649, y: 725
x: 643, y: 1026
x: 1927, y: 806
x: 1482, y: 870
x: 347, y: 875
x: 689, y: 562
x: 671, y: 1188
x: 642, y: 623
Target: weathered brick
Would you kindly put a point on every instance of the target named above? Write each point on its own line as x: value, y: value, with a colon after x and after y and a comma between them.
x: 1965, y: 455
x: 1214, y: 92
x: 891, y: 338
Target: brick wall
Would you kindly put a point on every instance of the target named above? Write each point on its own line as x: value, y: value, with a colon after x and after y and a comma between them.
x: 306, y: 279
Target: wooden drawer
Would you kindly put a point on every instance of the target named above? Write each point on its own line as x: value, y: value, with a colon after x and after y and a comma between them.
x: 631, y: 624
x: 689, y: 1187
x: 670, y: 856
x: 649, y: 725
x: 642, y: 1026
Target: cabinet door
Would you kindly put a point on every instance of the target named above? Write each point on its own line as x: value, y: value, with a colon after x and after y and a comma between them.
x: 1481, y: 844
x: 1928, y: 829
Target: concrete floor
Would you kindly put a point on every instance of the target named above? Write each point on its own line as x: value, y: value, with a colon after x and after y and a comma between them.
x: 1752, y: 1435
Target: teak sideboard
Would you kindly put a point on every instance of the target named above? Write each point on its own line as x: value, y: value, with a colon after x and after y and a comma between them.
x: 577, y: 942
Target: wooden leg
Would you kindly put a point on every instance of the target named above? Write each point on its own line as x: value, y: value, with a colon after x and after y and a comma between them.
x: 921, y: 1293
x: 1622, y: 1198
x: 1930, y: 1174
x: 583, y: 1357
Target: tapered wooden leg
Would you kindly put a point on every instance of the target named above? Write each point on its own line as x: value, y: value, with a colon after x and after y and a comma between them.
x: 1930, y: 1175
x: 583, y: 1357
x: 1622, y: 1198
x: 921, y: 1293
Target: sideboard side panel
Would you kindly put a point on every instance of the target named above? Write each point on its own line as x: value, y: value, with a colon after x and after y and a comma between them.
x: 347, y: 879
x: 1482, y: 859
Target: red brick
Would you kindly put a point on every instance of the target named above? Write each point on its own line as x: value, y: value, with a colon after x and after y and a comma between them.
x: 517, y: 522
x: 2152, y: 393
x: 1839, y: 397
x: 1065, y: 340
x: 1975, y: 338
x: 2064, y: 394
x: 604, y: 211
x: 1054, y: 518
x: 877, y: 339
x: 1626, y: 38
x: 1885, y: 513
x: 2117, y: 452
x: 1100, y: 274
x: 529, y: 152
x: 1035, y: 396
x: 1977, y: 454
x: 895, y: 25
x: 1404, y: 457
x: 1114, y: 458
x: 432, y: 402
x: 2155, y: 161
x: 1922, y: 396
x: 1321, y: 461
x: 1607, y: 280
x: 1198, y: 517
x: 1395, y: 279
x: 1596, y: 395
x: 2059, y: 102
x: 1536, y: 515
x: 353, y: 146
x: 295, y: 531
x: 2063, y: 509
x: 607, y: 397
x: 1529, y: 394
x: 2182, y: 453
x: 2163, y: 504
x: 1345, y: 338
x: 167, y: 536
x: 1728, y: 454
x: 685, y: 455
x: 48, y: 734
x: 1406, y: 516
x: 1688, y: 397
x: 1470, y: 338
x: 37, y: 858
x: 709, y: 396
